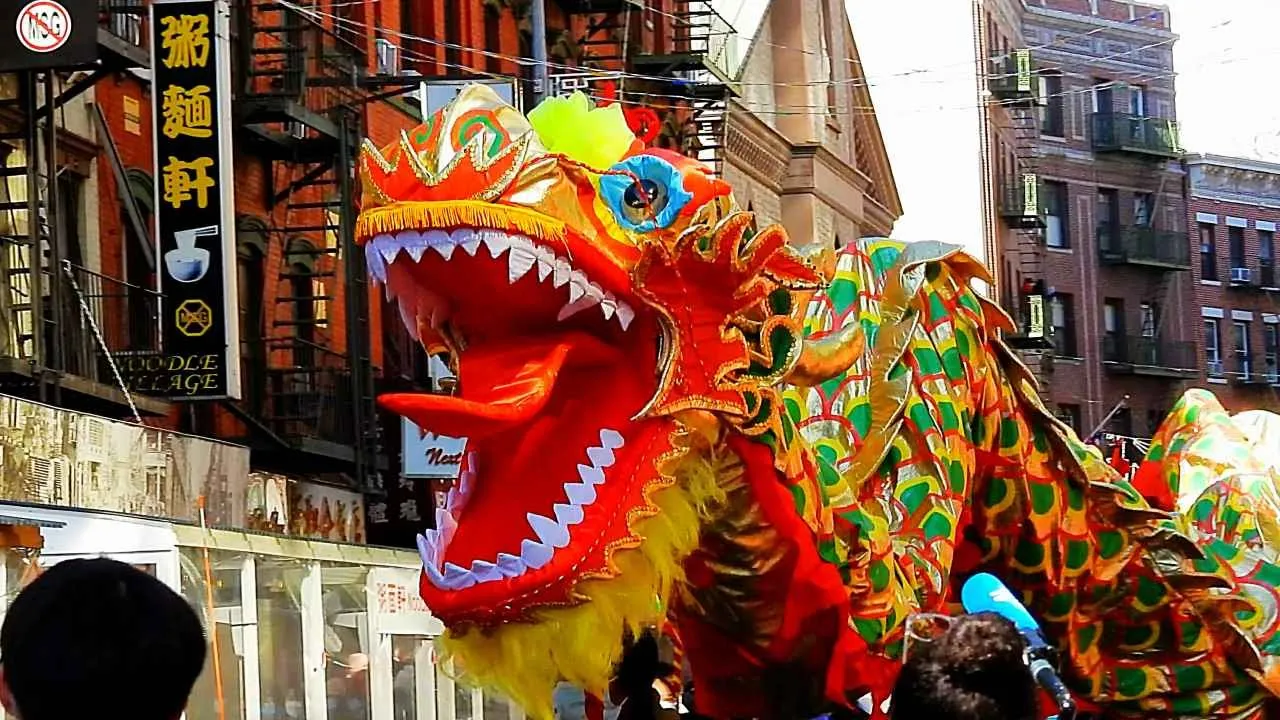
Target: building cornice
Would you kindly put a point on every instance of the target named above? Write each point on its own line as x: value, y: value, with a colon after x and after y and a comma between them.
x: 815, y: 170
x: 1235, y: 180
x: 1239, y: 163
x: 1093, y: 22
x: 755, y: 148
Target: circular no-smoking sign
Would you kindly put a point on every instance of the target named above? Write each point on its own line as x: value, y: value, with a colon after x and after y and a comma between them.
x: 44, y: 26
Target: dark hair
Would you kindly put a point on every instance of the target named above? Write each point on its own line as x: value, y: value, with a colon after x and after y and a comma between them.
x: 89, y: 637
x: 974, y: 671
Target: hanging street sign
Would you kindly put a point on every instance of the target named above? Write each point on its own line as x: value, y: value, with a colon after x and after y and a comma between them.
x: 195, y: 228
x: 48, y: 34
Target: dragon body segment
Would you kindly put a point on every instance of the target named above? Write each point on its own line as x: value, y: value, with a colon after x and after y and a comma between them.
x: 677, y: 420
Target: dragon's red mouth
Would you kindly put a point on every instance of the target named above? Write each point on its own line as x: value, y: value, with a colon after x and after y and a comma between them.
x: 548, y: 385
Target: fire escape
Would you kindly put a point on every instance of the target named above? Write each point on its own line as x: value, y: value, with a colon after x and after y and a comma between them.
x: 1021, y: 201
x: 65, y: 326
x: 681, y: 67
x: 300, y: 106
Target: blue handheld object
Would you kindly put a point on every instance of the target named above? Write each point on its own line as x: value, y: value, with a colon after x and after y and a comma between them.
x: 985, y: 593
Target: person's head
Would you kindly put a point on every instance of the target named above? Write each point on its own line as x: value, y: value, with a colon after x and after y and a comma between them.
x: 973, y: 671
x: 93, y: 637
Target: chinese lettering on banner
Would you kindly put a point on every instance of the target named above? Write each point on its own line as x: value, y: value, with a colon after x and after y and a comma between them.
x: 195, y: 230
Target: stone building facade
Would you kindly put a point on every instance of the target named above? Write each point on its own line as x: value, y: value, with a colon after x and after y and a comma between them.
x: 803, y: 147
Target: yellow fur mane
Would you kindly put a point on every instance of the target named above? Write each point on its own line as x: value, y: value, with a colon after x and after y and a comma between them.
x: 581, y: 644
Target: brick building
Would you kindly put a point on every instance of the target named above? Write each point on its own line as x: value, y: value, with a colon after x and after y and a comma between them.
x: 1093, y: 210
x: 1233, y: 208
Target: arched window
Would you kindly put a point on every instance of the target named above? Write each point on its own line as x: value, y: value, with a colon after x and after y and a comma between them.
x: 302, y: 299
x: 251, y: 257
x: 139, y: 262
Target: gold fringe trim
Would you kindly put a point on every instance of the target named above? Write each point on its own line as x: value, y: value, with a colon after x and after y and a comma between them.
x: 458, y: 213
x: 583, y: 643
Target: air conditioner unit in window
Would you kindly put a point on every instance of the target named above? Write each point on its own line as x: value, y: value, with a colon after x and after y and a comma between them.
x: 388, y: 57
x: 1240, y: 275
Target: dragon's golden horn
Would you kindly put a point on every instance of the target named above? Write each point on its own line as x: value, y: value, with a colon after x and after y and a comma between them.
x: 822, y: 359
x: 822, y: 257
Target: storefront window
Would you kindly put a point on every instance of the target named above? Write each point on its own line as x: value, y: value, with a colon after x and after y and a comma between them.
x: 346, y: 636
x: 223, y: 627
x: 281, y: 660
x: 404, y: 680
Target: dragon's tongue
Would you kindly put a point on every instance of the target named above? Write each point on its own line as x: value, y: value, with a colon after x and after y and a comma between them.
x: 502, y: 386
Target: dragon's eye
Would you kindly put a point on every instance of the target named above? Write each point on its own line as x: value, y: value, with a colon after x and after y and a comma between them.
x: 644, y: 192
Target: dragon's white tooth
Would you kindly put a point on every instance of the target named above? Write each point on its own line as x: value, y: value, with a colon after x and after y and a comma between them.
x: 519, y: 261
x: 444, y: 250
x: 625, y: 315
x: 576, y: 291
x: 568, y: 514
x: 590, y: 475
x: 580, y: 494
x: 595, y: 290
x: 389, y: 250
x: 437, y: 579
x: 601, y: 457
x: 485, y: 571
x: 544, y: 269
x: 573, y: 308
x: 535, y: 554
x: 456, y: 577
x: 561, y: 272
x: 427, y: 551
x: 611, y: 439
x: 415, y: 251
x: 377, y: 266
x: 510, y: 565
x: 467, y: 239
x: 495, y: 242
x: 548, y: 531
x: 608, y: 307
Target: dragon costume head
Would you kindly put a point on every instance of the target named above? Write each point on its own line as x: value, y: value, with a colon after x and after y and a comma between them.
x: 609, y: 316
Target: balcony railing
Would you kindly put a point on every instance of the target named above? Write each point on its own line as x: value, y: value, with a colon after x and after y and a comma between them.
x: 1012, y: 77
x: 126, y: 19
x: 311, y: 400
x: 1144, y: 355
x: 1022, y: 202
x: 1141, y: 245
x: 1244, y: 369
x: 1119, y: 132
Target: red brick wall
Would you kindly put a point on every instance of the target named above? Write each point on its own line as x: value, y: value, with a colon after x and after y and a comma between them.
x: 1221, y: 295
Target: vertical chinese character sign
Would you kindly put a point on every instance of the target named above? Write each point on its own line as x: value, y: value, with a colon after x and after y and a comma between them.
x: 195, y: 229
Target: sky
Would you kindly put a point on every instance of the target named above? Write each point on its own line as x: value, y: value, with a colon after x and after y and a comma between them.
x: 923, y: 86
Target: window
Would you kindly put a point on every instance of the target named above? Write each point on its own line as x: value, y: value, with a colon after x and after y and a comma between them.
x: 1121, y: 422
x: 1137, y: 101
x: 1103, y: 96
x: 1062, y: 315
x: 1108, y: 213
x: 1055, y: 203
x: 1053, y: 121
x: 1143, y: 209
x: 1070, y: 414
x: 452, y: 37
x: 1212, y: 347
x: 1208, y: 253
x: 1150, y: 319
x: 1271, y: 352
x: 493, y: 37
x: 1113, y: 330
x: 251, y: 282
x: 1235, y: 246
x: 70, y: 194
x: 1244, y: 363
x: 1266, y: 258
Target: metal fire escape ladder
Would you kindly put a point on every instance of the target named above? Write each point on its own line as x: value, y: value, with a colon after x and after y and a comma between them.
x: 307, y: 100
